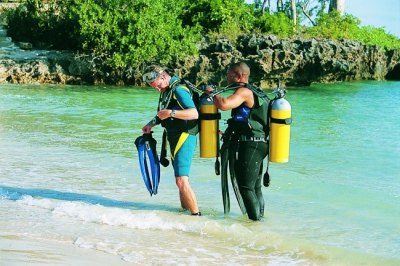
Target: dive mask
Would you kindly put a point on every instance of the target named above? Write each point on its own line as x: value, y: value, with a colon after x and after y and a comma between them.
x: 151, y: 76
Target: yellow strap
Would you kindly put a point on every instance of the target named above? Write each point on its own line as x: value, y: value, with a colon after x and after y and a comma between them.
x: 181, y: 140
x: 174, y: 96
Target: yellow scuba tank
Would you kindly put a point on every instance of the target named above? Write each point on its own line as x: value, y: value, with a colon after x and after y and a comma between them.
x: 209, y: 128
x: 279, y: 138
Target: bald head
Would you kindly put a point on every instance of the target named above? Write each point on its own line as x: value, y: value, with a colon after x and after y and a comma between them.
x: 238, y: 72
x: 240, y: 68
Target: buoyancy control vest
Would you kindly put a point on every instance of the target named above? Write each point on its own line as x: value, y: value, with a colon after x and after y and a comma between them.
x: 266, y: 117
x: 251, y: 122
x: 168, y: 100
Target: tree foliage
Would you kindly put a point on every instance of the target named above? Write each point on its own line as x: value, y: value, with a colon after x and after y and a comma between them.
x: 119, y: 35
x: 335, y: 26
x: 39, y: 23
x: 278, y: 24
x: 130, y: 32
x: 225, y: 17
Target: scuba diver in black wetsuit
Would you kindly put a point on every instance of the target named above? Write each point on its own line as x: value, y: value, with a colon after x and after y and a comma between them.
x: 248, y: 125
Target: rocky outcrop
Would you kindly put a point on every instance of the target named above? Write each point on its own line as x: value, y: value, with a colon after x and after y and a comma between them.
x: 46, y: 67
x: 21, y: 65
x: 294, y: 61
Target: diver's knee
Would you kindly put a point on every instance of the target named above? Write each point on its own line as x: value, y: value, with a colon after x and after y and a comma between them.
x: 181, y: 181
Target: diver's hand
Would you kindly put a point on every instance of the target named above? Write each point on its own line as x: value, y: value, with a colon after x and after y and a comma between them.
x: 146, y: 129
x: 208, y: 90
x: 164, y: 114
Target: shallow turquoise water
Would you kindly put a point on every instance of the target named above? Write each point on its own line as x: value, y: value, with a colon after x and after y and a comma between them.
x: 67, y: 157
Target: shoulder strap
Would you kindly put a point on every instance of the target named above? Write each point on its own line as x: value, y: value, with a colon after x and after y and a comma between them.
x: 165, y: 97
x: 258, y: 91
x: 191, y: 86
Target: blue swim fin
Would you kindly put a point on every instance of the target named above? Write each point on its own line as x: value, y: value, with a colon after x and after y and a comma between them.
x: 147, y: 153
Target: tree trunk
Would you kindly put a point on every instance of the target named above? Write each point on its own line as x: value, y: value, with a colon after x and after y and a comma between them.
x: 279, y: 5
x: 294, y: 14
x: 336, y: 5
x: 306, y: 12
x: 269, y: 6
x: 264, y: 3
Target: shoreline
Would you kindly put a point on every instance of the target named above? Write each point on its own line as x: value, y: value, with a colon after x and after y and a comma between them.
x: 18, y: 251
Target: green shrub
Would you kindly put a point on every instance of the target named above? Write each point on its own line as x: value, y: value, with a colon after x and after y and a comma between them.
x: 334, y: 26
x: 113, y: 34
x: 377, y: 36
x: 226, y: 17
x: 278, y: 24
x: 130, y: 32
x: 25, y: 23
x: 36, y: 22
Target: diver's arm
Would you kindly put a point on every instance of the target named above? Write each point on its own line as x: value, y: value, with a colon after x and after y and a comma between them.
x: 147, y: 128
x: 186, y: 114
x: 185, y: 109
x: 241, y: 95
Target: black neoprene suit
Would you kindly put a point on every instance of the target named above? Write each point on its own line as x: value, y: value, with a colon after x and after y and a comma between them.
x: 250, y: 124
x: 248, y: 170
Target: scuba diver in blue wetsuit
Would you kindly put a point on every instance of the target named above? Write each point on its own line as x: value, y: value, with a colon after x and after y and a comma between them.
x: 247, y: 127
x: 177, y: 113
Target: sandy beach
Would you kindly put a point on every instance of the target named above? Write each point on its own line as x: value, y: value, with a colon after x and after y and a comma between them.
x: 15, y: 251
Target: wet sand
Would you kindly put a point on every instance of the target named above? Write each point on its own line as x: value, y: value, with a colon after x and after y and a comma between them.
x: 15, y: 251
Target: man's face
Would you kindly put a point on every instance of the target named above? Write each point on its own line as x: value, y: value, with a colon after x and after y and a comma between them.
x: 230, y: 76
x: 160, y: 83
x: 156, y: 80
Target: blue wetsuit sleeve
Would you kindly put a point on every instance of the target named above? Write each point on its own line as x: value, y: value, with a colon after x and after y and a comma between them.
x: 184, y: 98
